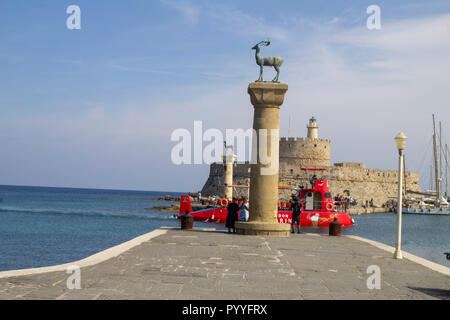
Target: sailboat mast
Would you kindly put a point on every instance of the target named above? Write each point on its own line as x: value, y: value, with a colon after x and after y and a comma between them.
x: 441, y: 183
x: 446, y: 171
x: 435, y: 162
x: 431, y: 177
x: 404, y: 176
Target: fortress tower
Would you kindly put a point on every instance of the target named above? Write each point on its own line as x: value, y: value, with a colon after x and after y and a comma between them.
x: 310, y: 152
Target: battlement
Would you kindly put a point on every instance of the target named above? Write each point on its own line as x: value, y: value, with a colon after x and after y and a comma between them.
x: 301, y: 139
x: 286, y: 139
x: 350, y: 164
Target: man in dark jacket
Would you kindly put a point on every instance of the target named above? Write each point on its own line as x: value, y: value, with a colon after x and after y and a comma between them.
x: 232, y: 215
x: 296, y: 210
x: 313, y: 181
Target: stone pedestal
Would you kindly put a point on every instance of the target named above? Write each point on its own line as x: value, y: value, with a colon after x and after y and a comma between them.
x: 266, y: 97
x: 228, y: 161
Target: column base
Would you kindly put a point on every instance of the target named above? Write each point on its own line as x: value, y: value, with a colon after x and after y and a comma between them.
x: 265, y: 229
x: 398, y: 254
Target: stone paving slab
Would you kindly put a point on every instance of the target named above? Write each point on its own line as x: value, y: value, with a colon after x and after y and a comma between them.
x: 216, y: 265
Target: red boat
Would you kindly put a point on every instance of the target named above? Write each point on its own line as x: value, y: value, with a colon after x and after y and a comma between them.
x: 318, y: 208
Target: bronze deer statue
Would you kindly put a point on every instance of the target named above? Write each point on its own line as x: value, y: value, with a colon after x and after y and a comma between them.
x: 275, y: 62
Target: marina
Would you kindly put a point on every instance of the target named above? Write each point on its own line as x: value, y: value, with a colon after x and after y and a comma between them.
x: 436, y: 202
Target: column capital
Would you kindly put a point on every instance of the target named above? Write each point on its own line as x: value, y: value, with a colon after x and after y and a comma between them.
x: 267, y: 94
x: 229, y: 158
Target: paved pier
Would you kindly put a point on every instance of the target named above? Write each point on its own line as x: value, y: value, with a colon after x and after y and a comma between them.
x: 216, y: 265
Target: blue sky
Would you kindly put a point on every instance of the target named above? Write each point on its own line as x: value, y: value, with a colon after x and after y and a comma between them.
x: 95, y: 107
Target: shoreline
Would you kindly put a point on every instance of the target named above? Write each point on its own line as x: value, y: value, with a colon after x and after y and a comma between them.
x: 119, y: 249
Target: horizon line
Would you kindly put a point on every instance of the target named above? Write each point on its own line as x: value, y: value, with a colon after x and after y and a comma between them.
x: 88, y: 188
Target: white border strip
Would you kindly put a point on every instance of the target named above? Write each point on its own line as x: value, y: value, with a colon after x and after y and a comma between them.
x: 424, y: 262
x: 89, y: 261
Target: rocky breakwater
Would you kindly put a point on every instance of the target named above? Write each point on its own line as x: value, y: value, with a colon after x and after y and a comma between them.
x: 170, y: 208
x: 176, y: 207
x: 168, y: 197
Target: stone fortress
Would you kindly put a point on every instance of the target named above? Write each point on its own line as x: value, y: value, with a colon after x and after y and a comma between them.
x: 346, y: 178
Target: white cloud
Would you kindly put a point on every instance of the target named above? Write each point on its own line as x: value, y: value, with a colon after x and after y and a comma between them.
x: 189, y: 12
x: 227, y: 18
x: 333, y: 21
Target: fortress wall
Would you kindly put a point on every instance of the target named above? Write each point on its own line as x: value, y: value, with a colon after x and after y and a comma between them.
x: 356, y: 184
x: 345, y: 179
x: 213, y: 184
x: 349, y: 178
x: 365, y: 184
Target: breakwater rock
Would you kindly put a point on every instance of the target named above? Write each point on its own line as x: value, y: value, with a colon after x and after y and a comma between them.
x: 168, y: 197
x: 172, y: 208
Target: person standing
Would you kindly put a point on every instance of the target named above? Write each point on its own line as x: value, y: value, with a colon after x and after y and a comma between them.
x: 296, y: 211
x: 313, y: 181
x: 243, y: 210
x: 232, y: 215
x: 347, y: 203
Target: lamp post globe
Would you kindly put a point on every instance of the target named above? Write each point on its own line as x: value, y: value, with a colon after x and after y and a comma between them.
x: 400, y: 141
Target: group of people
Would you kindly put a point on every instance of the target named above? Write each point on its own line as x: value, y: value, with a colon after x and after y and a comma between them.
x: 236, y: 212
x: 342, y: 202
x: 240, y: 213
x: 369, y: 204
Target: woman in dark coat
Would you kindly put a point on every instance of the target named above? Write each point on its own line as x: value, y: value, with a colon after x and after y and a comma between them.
x: 232, y: 215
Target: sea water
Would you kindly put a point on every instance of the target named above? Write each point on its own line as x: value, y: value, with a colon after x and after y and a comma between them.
x: 42, y: 226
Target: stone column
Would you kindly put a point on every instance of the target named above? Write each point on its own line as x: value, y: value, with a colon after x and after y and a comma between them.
x: 228, y: 161
x: 266, y: 97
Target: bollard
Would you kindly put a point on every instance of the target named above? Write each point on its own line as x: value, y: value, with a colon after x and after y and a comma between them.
x: 187, y: 222
x: 335, y: 228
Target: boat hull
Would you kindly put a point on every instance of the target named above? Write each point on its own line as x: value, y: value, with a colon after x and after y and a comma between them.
x: 427, y: 211
x: 307, y: 218
x: 316, y: 218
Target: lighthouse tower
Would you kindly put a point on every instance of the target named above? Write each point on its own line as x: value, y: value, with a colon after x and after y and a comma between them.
x: 313, y: 129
